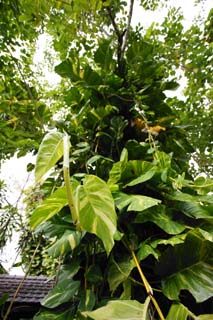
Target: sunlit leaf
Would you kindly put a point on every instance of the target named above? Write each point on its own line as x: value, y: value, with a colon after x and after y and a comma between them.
x: 96, y: 210
x: 49, y: 207
x: 121, y: 309
x: 50, y: 151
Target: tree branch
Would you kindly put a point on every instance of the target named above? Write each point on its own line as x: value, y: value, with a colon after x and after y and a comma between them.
x: 126, y: 35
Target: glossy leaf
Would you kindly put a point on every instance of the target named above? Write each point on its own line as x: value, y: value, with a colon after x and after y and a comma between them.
x: 50, y: 151
x: 96, y: 210
x: 49, y: 207
x: 120, y: 310
x: 134, y: 202
x: 62, y: 292
x: 188, y: 266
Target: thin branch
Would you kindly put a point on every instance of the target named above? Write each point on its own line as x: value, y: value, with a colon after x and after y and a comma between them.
x: 126, y: 35
x: 117, y: 31
x: 21, y: 283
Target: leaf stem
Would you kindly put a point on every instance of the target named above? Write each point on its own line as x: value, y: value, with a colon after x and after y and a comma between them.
x: 70, y: 196
x: 147, y: 285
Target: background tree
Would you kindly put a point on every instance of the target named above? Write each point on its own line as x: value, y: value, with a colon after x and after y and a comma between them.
x: 131, y: 227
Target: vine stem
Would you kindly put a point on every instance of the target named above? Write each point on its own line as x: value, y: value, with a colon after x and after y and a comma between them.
x: 147, y: 285
x: 21, y: 283
x: 70, y: 196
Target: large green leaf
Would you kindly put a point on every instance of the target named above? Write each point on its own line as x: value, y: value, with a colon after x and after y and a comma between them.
x: 49, y: 207
x: 61, y: 293
x: 188, y: 266
x: 97, y: 211
x: 50, y: 151
x: 162, y: 217
x: 121, y: 309
x: 134, y: 202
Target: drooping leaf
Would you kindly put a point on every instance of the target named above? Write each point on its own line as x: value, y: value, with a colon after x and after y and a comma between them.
x: 61, y: 293
x: 162, y: 217
x: 69, y: 241
x: 119, y: 272
x: 96, y: 210
x: 134, y: 202
x: 120, y: 310
x: 50, y: 151
x: 49, y: 207
x: 188, y: 266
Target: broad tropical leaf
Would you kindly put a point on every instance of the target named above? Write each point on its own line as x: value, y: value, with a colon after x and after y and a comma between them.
x: 50, y: 151
x: 188, y: 266
x: 96, y: 210
x: 120, y: 310
x: 162, y: 218
x: 61, y: 293
x: 134, y: 202
x: 49, y: 207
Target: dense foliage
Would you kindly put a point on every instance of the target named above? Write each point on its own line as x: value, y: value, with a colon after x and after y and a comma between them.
x: 115, y: 202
